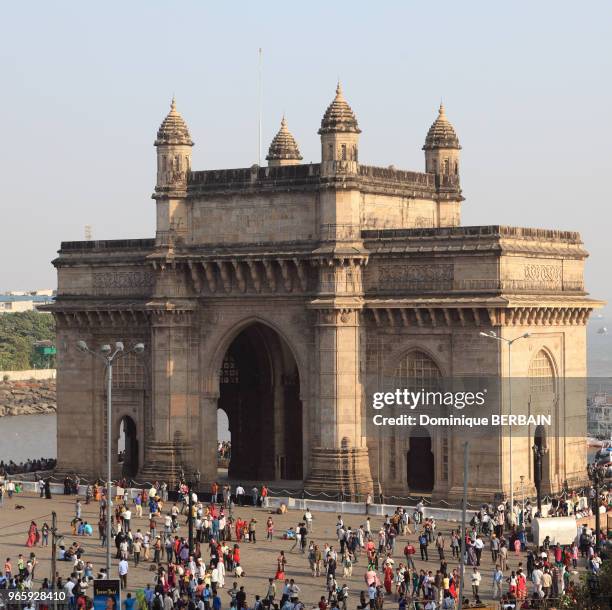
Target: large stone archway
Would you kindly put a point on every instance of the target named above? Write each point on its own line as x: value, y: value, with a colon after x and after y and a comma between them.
x: 259, y: 389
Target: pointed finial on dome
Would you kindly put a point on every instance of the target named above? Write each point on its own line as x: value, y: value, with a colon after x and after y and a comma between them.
x: 284, y: 149
x: 441, y: 134
x: 173, y: 129
x: 339, y: 116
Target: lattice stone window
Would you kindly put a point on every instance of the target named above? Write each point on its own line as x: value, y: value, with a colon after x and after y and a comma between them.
x: 444, y: 474
x: 417, y: 370
x: 128, y: 372
x: 229, y: 371
x: 541, y: 375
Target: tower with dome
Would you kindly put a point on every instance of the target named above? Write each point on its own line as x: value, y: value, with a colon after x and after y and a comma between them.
x: 286, y: 295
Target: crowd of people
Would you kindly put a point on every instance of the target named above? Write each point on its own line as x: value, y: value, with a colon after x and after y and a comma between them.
x: 224, y: 451
x: 395, y: 558
x: 12, y: 468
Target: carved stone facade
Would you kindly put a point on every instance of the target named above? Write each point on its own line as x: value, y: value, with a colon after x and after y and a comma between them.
x: 279, y: 293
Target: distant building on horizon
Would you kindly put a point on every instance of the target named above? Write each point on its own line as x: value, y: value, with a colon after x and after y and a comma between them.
x: 17, y: 303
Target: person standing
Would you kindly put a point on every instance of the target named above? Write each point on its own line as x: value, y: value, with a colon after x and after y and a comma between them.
x: 440, y: 543
x: 123, y: 569
x: 136, y: 549
x: 41, y: 487
x: 240, y: 495
x: 308, y: 519
x: 264, y: 496
x: 498, y: 577
x: 252, y: 532
x: 409, y: 552
x: 423, y: 542
x: 476, y: 578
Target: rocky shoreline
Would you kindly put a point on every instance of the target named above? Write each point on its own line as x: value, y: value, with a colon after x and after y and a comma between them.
x: 31, y: 397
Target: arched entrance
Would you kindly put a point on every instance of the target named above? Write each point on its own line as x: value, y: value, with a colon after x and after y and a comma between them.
x: 420, y: 467
x: 417, y: 369
x: 259, y: 389
x: 128, y: 447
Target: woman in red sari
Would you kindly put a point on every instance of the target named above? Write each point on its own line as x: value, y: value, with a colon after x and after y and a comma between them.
x: 521, y: 586
x: 388, y: 580
x: 32, y: 535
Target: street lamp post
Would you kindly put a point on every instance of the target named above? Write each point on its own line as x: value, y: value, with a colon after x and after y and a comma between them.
x: 108, y: 357
x: 523, y: 500
x: 509, y: 342
x: 597, y: 477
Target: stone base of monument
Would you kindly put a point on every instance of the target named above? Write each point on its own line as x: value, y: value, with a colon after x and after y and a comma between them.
x: 345, y: 470
x: 166, y: 461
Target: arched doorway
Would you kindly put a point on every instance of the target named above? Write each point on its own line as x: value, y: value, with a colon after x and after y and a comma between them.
x: 259, y: 389
x: 416, y: 369
x: 542, y: 399
x: 224, y: 442
x: 127, y: 447
x: 420, y: 467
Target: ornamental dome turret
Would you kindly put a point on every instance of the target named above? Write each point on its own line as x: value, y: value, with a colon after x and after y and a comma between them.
x: 339, y: 116
x: 284, y: 149
x: 173, y: 130
x: 441, y: 134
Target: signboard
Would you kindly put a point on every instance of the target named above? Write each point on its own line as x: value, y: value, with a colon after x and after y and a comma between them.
x: 107, y: 594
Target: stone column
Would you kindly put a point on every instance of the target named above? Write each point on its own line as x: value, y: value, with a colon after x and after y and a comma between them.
x: 206, y: 448
x: 175, y: 407
x: 79, y: 401
x: 340, y: 461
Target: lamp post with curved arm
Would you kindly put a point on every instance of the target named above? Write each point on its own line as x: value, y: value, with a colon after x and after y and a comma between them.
x: 509, y: 342
x: 597, y: 476
x: 108, y: 356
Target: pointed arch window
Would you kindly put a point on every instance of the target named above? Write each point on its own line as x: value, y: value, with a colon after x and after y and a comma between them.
x: 541, y: 375
x: 417, y: 369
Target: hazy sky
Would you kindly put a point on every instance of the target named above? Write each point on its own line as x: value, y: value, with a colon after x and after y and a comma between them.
x: 85, y: 85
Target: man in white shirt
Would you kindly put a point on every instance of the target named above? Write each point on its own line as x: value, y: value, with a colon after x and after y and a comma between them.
x: 68, y: 587
x: 240, y: 495
x: 476, y: 578
x: 536, y: 577
x: 127, y: 516
x: 308, y: 519
x: 478, y: 546
x: 123, y: 568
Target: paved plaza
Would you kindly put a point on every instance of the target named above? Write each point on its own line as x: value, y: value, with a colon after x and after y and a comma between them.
x: 258, y: 560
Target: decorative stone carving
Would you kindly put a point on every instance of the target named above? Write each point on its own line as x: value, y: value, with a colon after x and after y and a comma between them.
x: 400, y: 275
x: 545, y: 274
x: 123, y: 282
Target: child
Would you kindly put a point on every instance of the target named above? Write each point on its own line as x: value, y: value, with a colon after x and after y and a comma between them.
x: 238, y: 571
x: 347, y: 566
